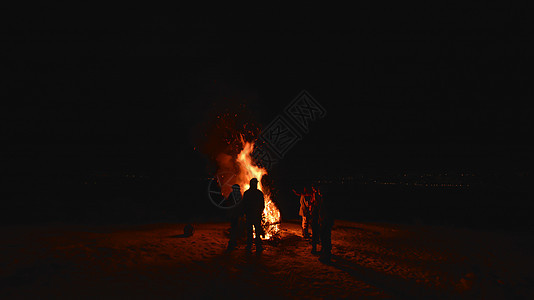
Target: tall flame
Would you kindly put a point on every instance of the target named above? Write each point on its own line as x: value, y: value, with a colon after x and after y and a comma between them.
x: 247, y: 171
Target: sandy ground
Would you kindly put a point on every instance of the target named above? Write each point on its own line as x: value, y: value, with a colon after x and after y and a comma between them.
x: 155, y: 261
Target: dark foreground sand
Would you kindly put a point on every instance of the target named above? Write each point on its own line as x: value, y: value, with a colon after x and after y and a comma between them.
x: 154, y: 262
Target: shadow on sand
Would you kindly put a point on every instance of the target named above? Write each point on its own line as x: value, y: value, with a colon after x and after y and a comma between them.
x: 181, y: 236
x: 188, y: 232
x: 391, y: 284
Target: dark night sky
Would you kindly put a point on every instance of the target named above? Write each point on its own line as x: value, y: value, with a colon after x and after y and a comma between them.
x: 131, y: 88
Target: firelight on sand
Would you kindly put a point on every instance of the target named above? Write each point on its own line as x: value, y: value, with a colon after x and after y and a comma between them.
x: 247, y: 171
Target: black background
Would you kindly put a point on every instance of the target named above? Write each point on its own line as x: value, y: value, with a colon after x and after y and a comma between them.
x: 117, y: 90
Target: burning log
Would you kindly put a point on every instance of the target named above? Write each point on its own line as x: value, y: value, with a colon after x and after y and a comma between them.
x: 273, y: 223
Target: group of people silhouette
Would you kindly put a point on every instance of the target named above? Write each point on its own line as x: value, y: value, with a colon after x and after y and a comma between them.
x: 251, y: 207
x: 314, y: 210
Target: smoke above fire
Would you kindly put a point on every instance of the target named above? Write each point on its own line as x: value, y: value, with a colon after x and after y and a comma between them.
x: 219, y: 137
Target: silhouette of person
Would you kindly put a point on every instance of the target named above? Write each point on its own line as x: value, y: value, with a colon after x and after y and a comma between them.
x: 314, y: 215
x: 326, y: 222
x: 304, y: 210
x: 236, y: 210
x: 253, y: 202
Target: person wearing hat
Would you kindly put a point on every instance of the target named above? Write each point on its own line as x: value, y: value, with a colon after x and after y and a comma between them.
x: 234, y: 212
x: 253, y: 201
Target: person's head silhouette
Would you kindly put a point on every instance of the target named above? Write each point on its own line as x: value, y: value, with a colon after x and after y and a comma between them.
x: 254, y: 183
x: 236, y: 188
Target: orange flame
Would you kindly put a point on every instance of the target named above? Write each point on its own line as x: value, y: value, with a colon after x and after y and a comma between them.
x: 247, y: 171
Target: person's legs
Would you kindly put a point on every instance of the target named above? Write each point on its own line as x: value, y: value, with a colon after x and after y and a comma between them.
x: 326, y: 244
x: 328, y: 240
x: 315, y: 236
x: 305, y: 226
x: 249, y: 234
x: 259, y: 232
x: 232, y: 243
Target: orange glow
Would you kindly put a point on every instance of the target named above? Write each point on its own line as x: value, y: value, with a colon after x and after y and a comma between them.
x: 247, y: 171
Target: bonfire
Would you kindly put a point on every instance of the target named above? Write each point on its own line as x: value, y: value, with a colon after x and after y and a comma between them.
x: 247, y: 170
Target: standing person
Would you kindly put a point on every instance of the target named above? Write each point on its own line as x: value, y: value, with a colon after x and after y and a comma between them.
x: 304, y: 211
x: 235, y: 210
x: 326, y: 222
x: 314, y: 215
x: 253, y: 201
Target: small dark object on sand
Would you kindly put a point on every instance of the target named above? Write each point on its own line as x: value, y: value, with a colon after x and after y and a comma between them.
x: 189, y: 230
